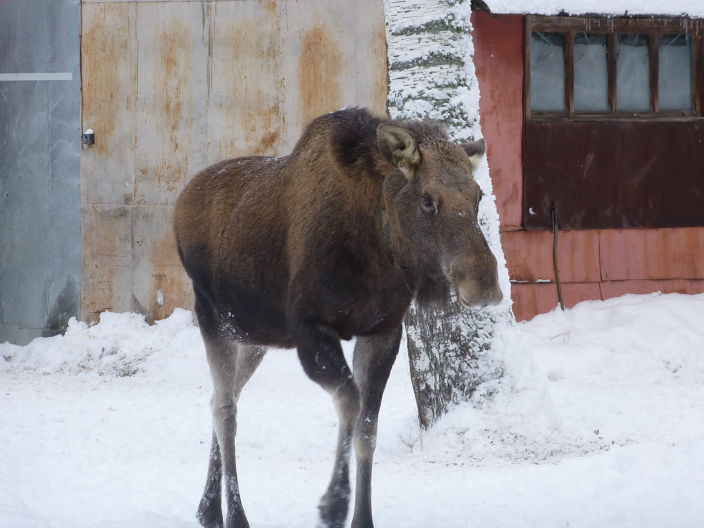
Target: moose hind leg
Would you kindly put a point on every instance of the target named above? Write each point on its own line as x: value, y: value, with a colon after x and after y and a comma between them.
x: 210, y: 507
x: 321, y: 356
x: 373, y: 358
x: 231, y: 366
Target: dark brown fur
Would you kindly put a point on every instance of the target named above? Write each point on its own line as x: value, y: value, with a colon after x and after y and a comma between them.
x: 330, y: 242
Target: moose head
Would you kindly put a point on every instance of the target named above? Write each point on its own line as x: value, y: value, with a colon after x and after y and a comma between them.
x: 432, y: 202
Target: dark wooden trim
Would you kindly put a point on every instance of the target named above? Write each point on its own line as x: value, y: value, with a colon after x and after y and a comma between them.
x: 698, y: 72
x: 526, y: 66
x: 601, y: 24
x: 611, y: 59
x: 569, y: 70
x: 618, y: 118
x: 526, y: 104
x: 654, y: 52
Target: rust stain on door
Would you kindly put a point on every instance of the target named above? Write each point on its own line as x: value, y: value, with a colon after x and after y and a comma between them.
x: 173, y: 77
x: 320, y: 69
x: 170, y: 90
x: 244, y: 108
x: 170, y: 115
x: 103, y: 42
x: 170, y: 287
x: 106, y: 268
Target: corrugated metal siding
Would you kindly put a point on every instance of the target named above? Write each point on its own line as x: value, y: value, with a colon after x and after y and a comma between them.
x: 170, y: 87
x: 40, y: 131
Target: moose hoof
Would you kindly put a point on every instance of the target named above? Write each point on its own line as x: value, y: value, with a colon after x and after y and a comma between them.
x: 362, y: 523
x: 333, y: 508
x: 210, y: 514
x: 236, y: 519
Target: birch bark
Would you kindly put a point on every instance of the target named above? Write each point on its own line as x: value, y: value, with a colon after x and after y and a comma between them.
x: 432, y: 75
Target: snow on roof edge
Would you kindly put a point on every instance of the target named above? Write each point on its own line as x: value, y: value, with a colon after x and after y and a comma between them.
x: 654, y: 8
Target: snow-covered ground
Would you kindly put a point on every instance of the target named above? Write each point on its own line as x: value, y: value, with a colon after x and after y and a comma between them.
x: 599, y: 422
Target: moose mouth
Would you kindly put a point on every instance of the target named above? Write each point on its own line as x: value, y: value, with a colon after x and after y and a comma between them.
x: 474, y: 294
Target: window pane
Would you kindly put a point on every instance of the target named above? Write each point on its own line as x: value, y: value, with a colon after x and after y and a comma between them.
x: 547, y: 72
x: 591, y: 76
x: 675, y: 79
x: 633, y: 74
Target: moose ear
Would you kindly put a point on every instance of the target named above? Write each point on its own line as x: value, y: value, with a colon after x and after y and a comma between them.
x: 398, y: 147
x: 475, y: 150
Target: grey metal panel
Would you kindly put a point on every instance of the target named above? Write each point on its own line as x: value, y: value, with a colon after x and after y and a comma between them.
x: 40, y: 242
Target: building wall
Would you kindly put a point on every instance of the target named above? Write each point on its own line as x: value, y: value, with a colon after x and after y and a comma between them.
x: 593, y: 264
x: 40, y: 141
x: 170, y: 87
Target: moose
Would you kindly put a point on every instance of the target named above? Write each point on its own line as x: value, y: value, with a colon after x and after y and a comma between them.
x: 331, y: 242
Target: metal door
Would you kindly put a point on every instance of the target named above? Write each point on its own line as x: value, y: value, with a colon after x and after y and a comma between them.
x: 40, y: 232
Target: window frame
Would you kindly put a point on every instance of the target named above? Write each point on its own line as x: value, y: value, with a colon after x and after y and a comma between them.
x: 612, y: 27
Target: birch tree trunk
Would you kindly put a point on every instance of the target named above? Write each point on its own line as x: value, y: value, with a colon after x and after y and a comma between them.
x: 431, y: 75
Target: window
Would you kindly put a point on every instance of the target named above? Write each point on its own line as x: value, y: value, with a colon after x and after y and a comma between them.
x: 614, y: 128
x: 613, y: 67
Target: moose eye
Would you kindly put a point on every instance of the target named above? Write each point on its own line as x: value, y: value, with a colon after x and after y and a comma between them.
x: 428, y: 204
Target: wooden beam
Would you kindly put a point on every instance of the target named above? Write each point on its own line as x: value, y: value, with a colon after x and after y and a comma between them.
x: 611, y: 51
x: 569, y: 70
x: 654, y: 61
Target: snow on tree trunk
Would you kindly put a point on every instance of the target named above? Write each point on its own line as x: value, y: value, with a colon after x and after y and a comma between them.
x: 431, y: 75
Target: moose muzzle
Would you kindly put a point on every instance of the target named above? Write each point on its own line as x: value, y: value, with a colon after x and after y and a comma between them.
x: 477, y: 281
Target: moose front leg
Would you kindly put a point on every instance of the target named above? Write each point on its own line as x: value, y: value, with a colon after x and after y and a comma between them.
x: 373, y: 358
x: 321, y: 356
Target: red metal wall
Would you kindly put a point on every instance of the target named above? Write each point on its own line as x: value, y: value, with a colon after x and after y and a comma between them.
x: 498, y: 58
x: 593, y: 264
